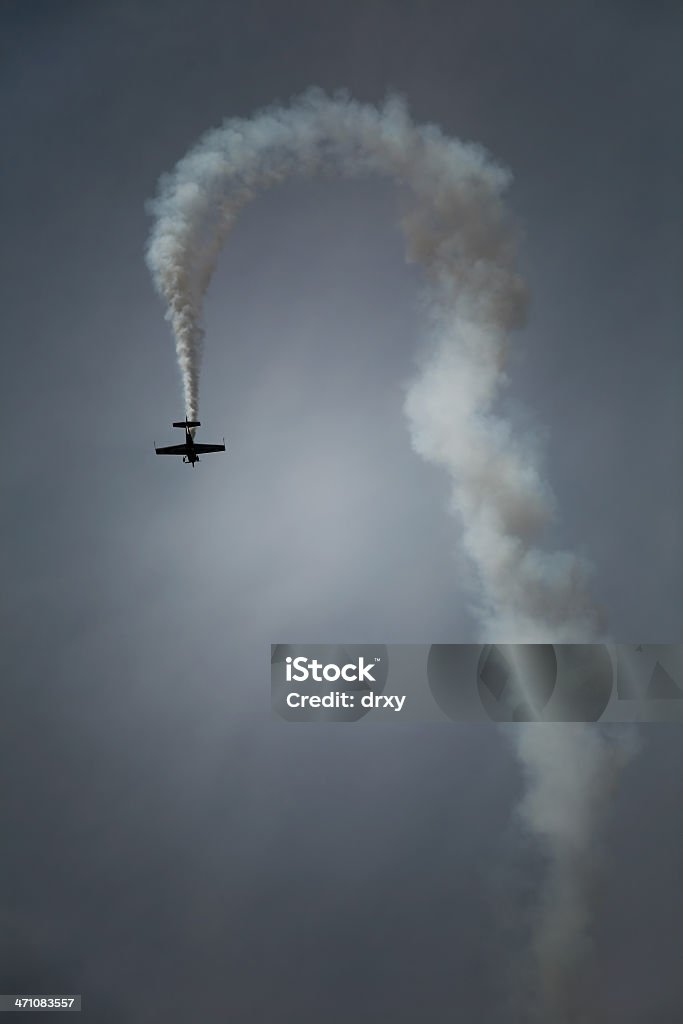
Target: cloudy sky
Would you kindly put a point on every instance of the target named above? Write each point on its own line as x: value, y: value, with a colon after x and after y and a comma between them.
x: 170, y: 851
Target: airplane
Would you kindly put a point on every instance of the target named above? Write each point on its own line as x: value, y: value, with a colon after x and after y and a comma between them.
x: 189, y: 451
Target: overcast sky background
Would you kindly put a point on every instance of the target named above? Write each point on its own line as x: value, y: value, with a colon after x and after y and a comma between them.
x: 171, y: 852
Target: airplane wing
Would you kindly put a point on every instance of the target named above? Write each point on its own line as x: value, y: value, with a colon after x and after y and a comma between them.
x: 174, y: 449
x: 201, y: 449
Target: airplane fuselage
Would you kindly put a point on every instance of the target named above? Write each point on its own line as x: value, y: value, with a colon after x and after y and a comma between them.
x: 191, y: 456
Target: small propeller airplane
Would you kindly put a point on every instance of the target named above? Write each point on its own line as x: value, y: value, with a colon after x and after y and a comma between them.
x: 189, y: 451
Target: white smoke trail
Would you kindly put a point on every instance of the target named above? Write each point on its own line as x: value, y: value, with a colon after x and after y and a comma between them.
x: 571, y: 772
x: 457, y: 229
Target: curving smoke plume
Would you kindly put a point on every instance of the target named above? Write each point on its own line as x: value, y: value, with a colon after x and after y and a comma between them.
x: 455, y: 226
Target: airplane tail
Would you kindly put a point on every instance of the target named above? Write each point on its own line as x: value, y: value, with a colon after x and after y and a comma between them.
x: 187, y: 423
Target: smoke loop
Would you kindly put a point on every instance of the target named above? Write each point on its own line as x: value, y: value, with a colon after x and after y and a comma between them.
x: 457, y: 229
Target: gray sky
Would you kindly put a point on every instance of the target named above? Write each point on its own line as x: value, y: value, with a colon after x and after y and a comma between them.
x: 171, y: 852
